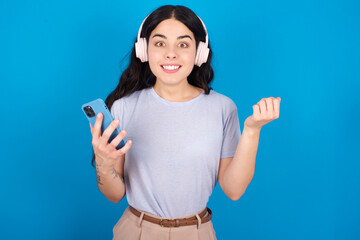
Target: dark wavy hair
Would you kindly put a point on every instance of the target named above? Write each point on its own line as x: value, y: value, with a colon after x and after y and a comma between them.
x: 138, y: 75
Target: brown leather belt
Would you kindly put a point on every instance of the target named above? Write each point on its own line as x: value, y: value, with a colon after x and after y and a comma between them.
x: 175, y: 222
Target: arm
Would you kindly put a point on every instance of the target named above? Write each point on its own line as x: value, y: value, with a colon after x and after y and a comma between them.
x: 109, y: 160
x: 111, y: 181
x: 236, y: 173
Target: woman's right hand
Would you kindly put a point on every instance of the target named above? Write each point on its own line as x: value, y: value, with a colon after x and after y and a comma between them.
x: 106, y: 153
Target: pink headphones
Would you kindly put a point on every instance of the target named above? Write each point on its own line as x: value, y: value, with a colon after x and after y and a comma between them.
x: 202, y: 52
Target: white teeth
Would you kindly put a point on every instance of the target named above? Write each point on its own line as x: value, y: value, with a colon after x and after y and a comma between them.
x: 170, y: 67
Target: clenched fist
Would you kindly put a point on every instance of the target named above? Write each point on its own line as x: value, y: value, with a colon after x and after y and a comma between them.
x: 265, y: 111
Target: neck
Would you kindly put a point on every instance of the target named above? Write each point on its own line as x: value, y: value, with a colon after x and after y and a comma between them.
x: 177, y: 93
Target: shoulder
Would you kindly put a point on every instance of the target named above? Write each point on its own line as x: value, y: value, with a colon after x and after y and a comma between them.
x: 128, y: 101
x: 130, y: 98
x: 223, y: 101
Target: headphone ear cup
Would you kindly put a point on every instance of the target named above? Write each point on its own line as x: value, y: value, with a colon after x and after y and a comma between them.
x: 141, y: 49
x: 202, y: 54
x: 144, y: 47
x: 198, y: 54
x: 138, y: 50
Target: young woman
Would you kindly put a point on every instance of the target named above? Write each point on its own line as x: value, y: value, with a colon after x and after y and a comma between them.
x: 182, y: 136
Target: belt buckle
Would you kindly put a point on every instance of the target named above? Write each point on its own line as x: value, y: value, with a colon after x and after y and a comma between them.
x: 162, y: 220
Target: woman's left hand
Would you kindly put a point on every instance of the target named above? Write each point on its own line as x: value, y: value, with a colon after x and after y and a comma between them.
x: 266, y: 110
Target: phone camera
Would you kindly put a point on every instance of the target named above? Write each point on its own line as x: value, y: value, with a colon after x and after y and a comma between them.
x: 89, y: 111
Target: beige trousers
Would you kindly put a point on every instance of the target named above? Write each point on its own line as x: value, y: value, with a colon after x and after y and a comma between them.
x: 131, y: 227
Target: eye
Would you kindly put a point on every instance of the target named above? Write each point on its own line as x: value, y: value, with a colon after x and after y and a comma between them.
x: 159, y: 44
x: 183, y: 45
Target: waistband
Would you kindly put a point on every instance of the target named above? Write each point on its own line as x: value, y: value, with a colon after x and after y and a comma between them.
x: 177, y: 222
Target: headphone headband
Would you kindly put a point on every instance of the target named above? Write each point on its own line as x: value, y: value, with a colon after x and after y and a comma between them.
x: 140, y: 29
x: 206, y: 34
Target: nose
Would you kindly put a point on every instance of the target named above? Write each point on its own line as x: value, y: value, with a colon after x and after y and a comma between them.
x: 171, y: 54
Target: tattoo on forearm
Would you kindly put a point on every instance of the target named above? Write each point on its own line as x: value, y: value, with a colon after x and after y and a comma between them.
x: 98, y: 180
x: 116, y: 175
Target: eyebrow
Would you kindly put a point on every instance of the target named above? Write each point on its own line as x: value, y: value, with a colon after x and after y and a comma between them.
x: 180, y: 37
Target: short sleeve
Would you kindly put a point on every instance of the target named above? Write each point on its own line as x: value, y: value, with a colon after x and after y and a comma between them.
x: 231, y: 135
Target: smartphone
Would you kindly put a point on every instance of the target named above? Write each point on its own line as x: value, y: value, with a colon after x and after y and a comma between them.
x: 91, y: 110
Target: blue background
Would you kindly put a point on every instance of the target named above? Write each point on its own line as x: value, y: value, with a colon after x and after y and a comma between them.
x: 57, y: 55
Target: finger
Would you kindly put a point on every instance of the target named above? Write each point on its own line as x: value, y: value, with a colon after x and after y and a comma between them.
x: 124, y: 149
x: 256, y: 111
x: 115, y: 142
x: 91, y: 129
x: 108, y: 131
x: 262, y: 106
x: 97, y: 126
x: 270, y: 106
x: 277, y: 106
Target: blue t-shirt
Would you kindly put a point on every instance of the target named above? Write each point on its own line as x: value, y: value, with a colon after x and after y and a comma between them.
x: 172, y: 166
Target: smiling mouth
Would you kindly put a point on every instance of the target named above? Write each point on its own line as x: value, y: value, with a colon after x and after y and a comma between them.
x: 171, y: 67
